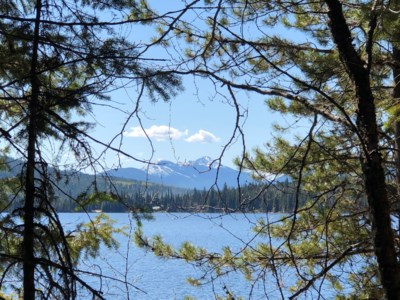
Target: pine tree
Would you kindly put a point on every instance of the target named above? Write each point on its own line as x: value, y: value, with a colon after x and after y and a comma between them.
x: 334, y: 65
x: 56, y: 60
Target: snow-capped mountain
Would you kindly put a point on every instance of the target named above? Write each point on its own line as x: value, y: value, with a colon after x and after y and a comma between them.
x: 201, y: 173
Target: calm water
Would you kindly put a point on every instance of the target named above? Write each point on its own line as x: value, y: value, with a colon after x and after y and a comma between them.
x: 155, y: 278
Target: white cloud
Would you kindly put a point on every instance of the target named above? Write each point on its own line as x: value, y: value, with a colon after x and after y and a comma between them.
x: 160, y: 133
x: 203, y: 137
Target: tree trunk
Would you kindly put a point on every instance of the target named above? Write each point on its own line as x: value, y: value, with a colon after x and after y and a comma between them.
x: 29, y: 206
x: 371, y: 160
x: 396, y: 127
x: 396, y: 96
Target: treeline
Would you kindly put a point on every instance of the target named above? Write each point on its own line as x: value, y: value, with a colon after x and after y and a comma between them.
x: 75, y: 191
x: 125, y: 196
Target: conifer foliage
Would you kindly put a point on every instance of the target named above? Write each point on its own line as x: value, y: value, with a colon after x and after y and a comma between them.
x: 333, y: 66
x: 57, y: 60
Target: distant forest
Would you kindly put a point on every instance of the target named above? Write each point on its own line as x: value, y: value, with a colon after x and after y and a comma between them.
x: 132, y: 195
x: 75, y: 191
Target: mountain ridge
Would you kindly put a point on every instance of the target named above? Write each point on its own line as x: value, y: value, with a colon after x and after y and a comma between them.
x: 201, y: 173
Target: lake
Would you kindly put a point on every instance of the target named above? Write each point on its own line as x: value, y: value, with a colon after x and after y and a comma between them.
x: 156, y: 278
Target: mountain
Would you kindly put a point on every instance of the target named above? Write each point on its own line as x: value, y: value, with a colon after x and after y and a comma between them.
x: 201, y: 173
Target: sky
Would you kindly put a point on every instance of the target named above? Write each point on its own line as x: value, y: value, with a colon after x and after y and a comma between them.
x: 191, y: 125
x: 196, y: 122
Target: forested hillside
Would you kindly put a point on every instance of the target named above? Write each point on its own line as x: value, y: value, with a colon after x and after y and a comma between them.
x: 76, y: 191
x: 148, y: 197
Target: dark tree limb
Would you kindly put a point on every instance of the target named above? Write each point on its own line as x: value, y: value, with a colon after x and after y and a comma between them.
x: 371, y: 159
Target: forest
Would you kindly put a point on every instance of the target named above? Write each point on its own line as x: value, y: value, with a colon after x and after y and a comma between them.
x: 76, y: 191
x: 252, y: 198
x: 119, y: 195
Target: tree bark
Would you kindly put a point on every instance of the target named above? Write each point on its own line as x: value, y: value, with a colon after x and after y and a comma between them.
x: 396, y: 96
x: 371, y: 160
x: 29, y: 205
x: 396, y: 126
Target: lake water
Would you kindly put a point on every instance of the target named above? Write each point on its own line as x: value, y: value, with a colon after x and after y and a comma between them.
x: 155, y: 278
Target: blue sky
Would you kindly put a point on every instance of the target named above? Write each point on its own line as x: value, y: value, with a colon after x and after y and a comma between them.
x: 198, y: 122
x: 193, y: 124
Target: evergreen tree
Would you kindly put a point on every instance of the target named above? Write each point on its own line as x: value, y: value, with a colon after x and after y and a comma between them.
x: 335, y: 66
x: 57, y: 58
